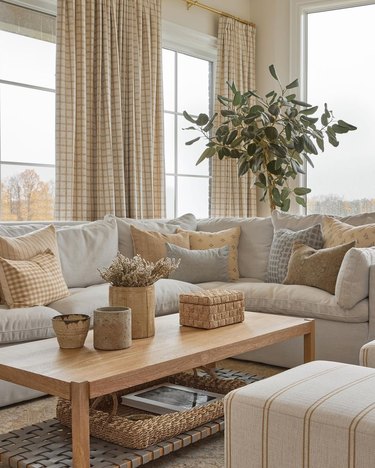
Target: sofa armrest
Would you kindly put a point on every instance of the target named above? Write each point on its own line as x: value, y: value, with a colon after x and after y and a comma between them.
x: 367, y: 355
x: 371, y: 303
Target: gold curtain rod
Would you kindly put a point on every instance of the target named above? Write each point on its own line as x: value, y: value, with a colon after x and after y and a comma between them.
x: 190, y: 3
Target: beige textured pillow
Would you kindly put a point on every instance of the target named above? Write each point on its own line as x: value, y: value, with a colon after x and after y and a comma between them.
x: 317, y: 268
x: 151, y: 244
x: 28, y: 245
x: 201, y: 240
x: 37, y: 281
x: 336, y: 232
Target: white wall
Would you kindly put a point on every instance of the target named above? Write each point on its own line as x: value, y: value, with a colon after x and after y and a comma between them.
x: 201, y: 20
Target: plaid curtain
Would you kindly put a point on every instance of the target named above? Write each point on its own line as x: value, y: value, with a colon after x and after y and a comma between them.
x: 109, y: 109
x: 231, y: 195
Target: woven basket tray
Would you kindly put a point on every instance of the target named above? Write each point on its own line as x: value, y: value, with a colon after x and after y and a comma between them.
x: 141, y: 433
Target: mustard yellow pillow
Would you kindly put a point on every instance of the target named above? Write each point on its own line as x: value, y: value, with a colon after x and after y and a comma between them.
x: 36, y: 281
x: 317, y: 268
x: 336, y: 232
x: 151, y: 245
x: 201, y: 240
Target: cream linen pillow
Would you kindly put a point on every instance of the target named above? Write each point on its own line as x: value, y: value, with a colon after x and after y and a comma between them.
x: 337, y: 233
x: 152, y: 245
x: 28, y: 245
x: 200, y: 240
x: 317, y: 268
x: 37, y: 281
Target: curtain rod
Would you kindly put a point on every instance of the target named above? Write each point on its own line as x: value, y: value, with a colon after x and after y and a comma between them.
x: 190, y: 3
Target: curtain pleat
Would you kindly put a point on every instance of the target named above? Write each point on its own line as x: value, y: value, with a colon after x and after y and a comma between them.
x: 231, y: 195
x: 109, y: 113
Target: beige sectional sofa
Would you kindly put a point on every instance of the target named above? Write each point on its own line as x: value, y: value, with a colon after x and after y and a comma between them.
x: 85, y: 247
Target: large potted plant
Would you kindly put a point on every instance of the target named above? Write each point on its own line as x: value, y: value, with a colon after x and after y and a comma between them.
x: 272, y: 136
x: 132, y: 285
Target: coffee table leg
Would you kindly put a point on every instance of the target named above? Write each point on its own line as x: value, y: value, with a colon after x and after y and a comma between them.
x: 80, y: 424
x: 309, y: 343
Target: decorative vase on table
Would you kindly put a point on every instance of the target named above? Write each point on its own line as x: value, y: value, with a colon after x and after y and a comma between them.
x: 132, y: 285
x: 141, y: 301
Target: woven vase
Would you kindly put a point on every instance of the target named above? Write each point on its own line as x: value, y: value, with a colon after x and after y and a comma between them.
x: 141, y: 301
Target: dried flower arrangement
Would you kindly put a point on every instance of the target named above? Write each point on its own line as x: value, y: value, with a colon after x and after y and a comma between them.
x: 136, y: 271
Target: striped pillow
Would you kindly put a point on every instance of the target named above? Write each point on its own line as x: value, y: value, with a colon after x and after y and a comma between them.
x: 37, y: 281
x: 28, y: 245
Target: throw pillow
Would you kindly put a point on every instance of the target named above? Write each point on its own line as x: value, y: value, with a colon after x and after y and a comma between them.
x: 36, y: 281
x: 317, y: 268
x: 352, y: 285
x: 84, y: 248
x: 200, y: 266
x: 282, y: 246
x: 336, y: 232
x: 200, y: 240
x: 152, y: 245
x: 28, y: 245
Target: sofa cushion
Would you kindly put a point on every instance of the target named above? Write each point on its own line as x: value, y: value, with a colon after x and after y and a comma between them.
x: 281, y: 220
x: 336, y: 232
x: 282, y: 246
x: 201, y: 240
x: 317, y: 268
x: 85, y: 301
x: 254, y: 245
x: 36, y: 281
x: 151, y: 245
x: 25, y: 324
x: 197, y: 266
x: 125, y: 243
x: 85, y: 248
x: 294, y: 300
x: 353, y: 279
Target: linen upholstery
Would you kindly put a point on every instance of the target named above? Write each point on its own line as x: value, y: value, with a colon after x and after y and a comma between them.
x: 197, y: 266
x: 36, y: 281
x: 152, y: 245
x: 282, y: 246
x: 336, y: 233
x: 317, y: 415
x: 353, y: 279
x: 108, y: 86
x: 254, y: 245
x: 200, y: 240
x: 317, y: 268
x: 84, y: 249
x: 232, y: 195
x: 367, y: 355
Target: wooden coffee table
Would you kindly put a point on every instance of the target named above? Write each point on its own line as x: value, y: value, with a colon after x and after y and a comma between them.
x: 81, y: 374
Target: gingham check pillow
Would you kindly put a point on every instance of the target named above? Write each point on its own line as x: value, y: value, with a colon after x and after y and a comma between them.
x: 37, y: 281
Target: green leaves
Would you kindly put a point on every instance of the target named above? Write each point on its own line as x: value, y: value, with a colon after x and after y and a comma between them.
x: 274, y: 137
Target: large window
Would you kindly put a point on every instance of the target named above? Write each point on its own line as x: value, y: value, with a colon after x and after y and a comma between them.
x: 340, y: 71
x: 27, y: 113
x: 187, y: 86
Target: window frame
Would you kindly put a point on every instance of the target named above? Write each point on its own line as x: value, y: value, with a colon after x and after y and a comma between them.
x: 180, y: 39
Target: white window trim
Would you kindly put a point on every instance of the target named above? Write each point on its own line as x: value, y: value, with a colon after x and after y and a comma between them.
x: 43, y: 6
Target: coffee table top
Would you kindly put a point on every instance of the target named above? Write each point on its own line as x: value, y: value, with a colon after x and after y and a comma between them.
x: 43, y: 366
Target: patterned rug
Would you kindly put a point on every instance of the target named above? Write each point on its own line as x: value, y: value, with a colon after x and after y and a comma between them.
x: 209, y: 453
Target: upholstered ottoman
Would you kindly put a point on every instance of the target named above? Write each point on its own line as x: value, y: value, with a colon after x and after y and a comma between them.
x: 318, y: 415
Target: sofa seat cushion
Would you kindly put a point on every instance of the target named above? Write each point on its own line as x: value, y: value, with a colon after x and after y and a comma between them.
x: 295, y: 300
x: 25, y: 324
x: 86, y: 300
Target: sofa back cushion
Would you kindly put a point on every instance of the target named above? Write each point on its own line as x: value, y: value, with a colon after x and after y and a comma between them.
x: 125, y: 242
x: 352, y: 284
x: 85, y: 248
x: 254, y: 245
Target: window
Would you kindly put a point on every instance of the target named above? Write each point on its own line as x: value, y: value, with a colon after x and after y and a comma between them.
x: 339, y: 71
x: 187, y: 86
x: 27, y: 113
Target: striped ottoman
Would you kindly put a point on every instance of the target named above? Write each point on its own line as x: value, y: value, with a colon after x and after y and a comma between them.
x: 318, y: 415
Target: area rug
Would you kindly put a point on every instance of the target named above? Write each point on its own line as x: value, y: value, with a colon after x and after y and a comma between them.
x: 209, y: 453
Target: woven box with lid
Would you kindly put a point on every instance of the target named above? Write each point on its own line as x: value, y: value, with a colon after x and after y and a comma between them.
x: 211, y: 309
